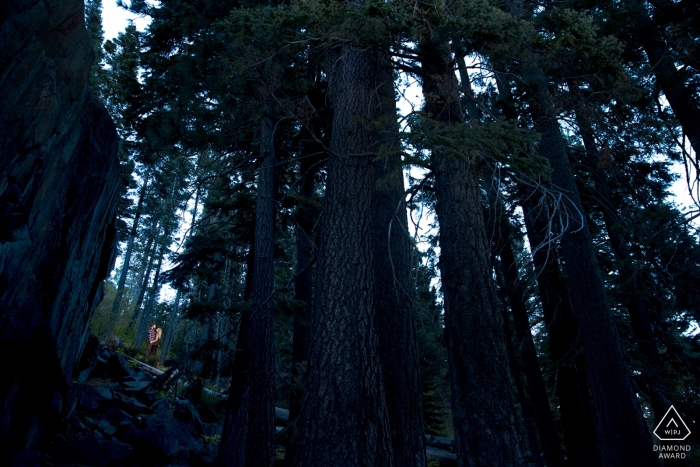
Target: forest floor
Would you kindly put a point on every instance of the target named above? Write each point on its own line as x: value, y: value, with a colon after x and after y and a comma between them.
x: 119, y: 414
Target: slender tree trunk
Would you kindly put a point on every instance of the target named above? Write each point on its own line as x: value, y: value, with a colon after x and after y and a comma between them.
x: 516, y: 372
x: 542, y: 413
x: 145, y: 278
x: 483, y: 409
x: 206, y: 354
x: 235, y: 430
x: 344, y: 418
x: 150, y: 304
x: 260, y: 448
x: 669, y: 79
x: 249, y: 430
x: 625, y: 437
x: 170, y: 333
x: 394, y: 288
x: 129, y: 250
x: 303, y: 292
x: 571, y: 382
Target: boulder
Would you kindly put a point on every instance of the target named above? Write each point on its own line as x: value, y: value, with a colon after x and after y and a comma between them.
x: 117, y: 368
x: 107, y: 428
x: 444, y: 458
x: 131, y: 406
x: 185, y: 411
x: 100, y: 452
x: 162, y: 436
x: 135, y: 385
x: 92, y: 397
x: 212, y: 429
x: 116, y: 416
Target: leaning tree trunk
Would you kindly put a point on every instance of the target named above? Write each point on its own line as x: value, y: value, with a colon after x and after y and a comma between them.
x: 394, y: 289
x: 634, y: 296
x: 516, y: 372
x: 571, y: 382
x: 483, y: 408
x: 344, y: 418
x: 625, y: 438
x: 669, y: 79
x: 542, y: 411
x: 249, y: 428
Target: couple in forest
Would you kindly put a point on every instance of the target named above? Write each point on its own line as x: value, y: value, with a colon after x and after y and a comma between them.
x: 153, y: 339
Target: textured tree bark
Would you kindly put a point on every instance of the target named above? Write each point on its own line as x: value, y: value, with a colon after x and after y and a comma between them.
x: 344, y: 418
x: 394, y: 289
x: 483, y: 409
x: 260, y: 448
x: 625, y: 437
x: 572, y: 388
x: 248, y: 436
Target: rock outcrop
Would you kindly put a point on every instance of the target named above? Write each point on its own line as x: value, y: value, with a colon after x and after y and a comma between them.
x: 126, y: 416
x: 59, y: 185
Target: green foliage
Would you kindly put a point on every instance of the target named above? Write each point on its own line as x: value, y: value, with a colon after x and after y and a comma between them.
x: 503, y: 142
x: 432, y: 355
x: 98, y: 79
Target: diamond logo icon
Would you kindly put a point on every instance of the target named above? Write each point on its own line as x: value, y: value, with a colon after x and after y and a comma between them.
x: 672, y: 427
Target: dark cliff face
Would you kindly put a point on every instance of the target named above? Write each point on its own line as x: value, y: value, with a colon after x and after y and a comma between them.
x: 59, y: 184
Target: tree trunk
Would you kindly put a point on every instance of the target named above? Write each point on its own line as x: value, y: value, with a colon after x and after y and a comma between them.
x: 303, y: 292
x: 571, y: 381
x: 394, y: 288
x: 249, y: 428
x: 525, y: 406
x: 344, y: 418
x: 129, y: 250
x: 625, y: 437
x: 640, y: 316
x: 151, y: 254
x: 483, y: 408
x: 170, y: 333
x: 671, y: 82
x: 542, y: 413
x: 143, y: 323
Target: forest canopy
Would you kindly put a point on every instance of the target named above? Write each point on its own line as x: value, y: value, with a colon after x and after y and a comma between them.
x: 503, y: 264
